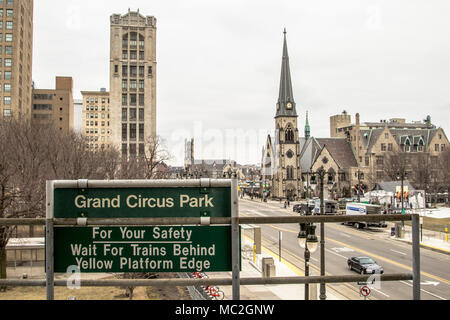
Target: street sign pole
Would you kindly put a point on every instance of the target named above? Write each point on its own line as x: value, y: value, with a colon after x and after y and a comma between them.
x: 235, y: 240
x: 49, y: 243
x: 416, y: 257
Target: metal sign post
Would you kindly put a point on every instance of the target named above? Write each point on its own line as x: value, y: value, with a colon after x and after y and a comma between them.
x: 49, y: 266
x: 365, y: 292
x: 93, y: 232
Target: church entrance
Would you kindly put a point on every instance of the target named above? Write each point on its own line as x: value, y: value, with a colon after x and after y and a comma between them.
x: 291, y: 193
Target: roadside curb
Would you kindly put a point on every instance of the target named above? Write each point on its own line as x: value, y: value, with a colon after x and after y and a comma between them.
x: 425, y: 246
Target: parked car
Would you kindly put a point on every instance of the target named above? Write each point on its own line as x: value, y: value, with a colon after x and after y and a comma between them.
x: 304, y: 208
x: 364, y: 265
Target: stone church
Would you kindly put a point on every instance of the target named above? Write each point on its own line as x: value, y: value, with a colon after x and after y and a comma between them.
x: 281, y: 154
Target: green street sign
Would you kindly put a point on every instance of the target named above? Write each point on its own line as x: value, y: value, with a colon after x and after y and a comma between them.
x: 143, y: 249
x: 142, y: 202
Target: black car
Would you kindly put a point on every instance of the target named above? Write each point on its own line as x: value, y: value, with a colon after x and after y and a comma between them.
x: 364, y: 265
x: 304, y: 209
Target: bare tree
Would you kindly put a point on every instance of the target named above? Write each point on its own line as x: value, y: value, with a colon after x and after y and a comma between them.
x: 148, y: 166
x: 29, y: 156
x: 397, y: 164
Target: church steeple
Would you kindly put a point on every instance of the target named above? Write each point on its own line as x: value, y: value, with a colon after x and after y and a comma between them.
x: 286, y: 106
x: 307, y: 127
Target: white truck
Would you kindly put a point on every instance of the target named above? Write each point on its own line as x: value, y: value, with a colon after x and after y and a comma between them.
x: 359, y: 209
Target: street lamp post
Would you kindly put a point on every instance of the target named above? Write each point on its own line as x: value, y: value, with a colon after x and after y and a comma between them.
x: 359, y: 186
x: 321, y: 173
x: 307, y: 240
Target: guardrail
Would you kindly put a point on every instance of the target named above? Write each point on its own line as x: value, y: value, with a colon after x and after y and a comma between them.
x: 236, y: 280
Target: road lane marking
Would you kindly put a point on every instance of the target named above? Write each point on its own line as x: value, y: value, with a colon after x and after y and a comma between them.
x: 384, y: 294
x: 374, y: 255
x: 390, y: 261
x: 431, y: 294
x: 336, y: 254
x: 344, y: 249
x: 398, y: 252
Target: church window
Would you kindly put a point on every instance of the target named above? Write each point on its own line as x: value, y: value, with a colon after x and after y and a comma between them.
x: 289, y: 134
x: 290, y: 173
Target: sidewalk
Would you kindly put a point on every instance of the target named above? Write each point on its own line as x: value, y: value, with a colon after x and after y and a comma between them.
x: 429, y: 241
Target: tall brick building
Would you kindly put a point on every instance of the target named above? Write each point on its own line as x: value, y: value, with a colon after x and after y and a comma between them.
x: 16, y: 57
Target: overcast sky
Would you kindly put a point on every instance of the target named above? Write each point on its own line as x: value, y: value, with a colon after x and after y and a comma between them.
x: 219, y: 63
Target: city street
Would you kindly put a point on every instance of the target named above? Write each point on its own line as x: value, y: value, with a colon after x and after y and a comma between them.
x: 343, y: 242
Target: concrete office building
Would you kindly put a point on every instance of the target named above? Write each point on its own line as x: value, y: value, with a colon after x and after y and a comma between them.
x: 54, y: 106
x: 16, y: 54
x: 96, y: 119
x: 133, y: 81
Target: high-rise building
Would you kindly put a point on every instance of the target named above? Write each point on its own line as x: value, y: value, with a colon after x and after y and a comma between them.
x: 16, y: 54
x: 96, y: 119
x: 54, y: 106
x: 133, y: 81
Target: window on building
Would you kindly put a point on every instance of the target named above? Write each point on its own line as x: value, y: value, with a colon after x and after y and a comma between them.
x: 133, y: 84
x: 124, y: 132
x: 132, y: 150
x: 124, y: 71
x: 7, y: 75
x: 443, y: 147
x: 380, y: 175
x: 124, y: 149
x: 150, y: 71
x: 7, y: 87
x: 141, y: 115
x: 436, y: 147
x: 9, y: 37
x: 7, y: 113
x: 8, y: 62
x: 125, y: 41
x: 133, y: 114
x: 133, y: 39
x: 141, y: 71
x: 124, y: 84
x: 380, y: 161
x: 133, y: 99
x: 7, y: 101
x: 133, y: 132
x: 141, y: 132
x: 124, y: 114
x: 9, y: 25
x: 289, y: 135
x: 124, y: 99
x: 133, y: 55
x: 141, y: 55
x: 133, y: 71
x: 116, y: 68
x: 141, y: 100
x: 141, y: 84
x: 141, y: 150
x: 9, y: 12
x: 367, y: 161
x: 125, y: 54
x: 383, y: 147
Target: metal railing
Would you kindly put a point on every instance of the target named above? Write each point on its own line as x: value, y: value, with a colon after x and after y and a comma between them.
x: 236, y: 281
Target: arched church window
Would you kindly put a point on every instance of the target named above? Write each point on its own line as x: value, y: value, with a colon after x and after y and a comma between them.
x: 290, y: 173
x: 289, y: 134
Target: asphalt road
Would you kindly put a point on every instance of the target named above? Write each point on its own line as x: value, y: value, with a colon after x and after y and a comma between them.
x: 343, y: 242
